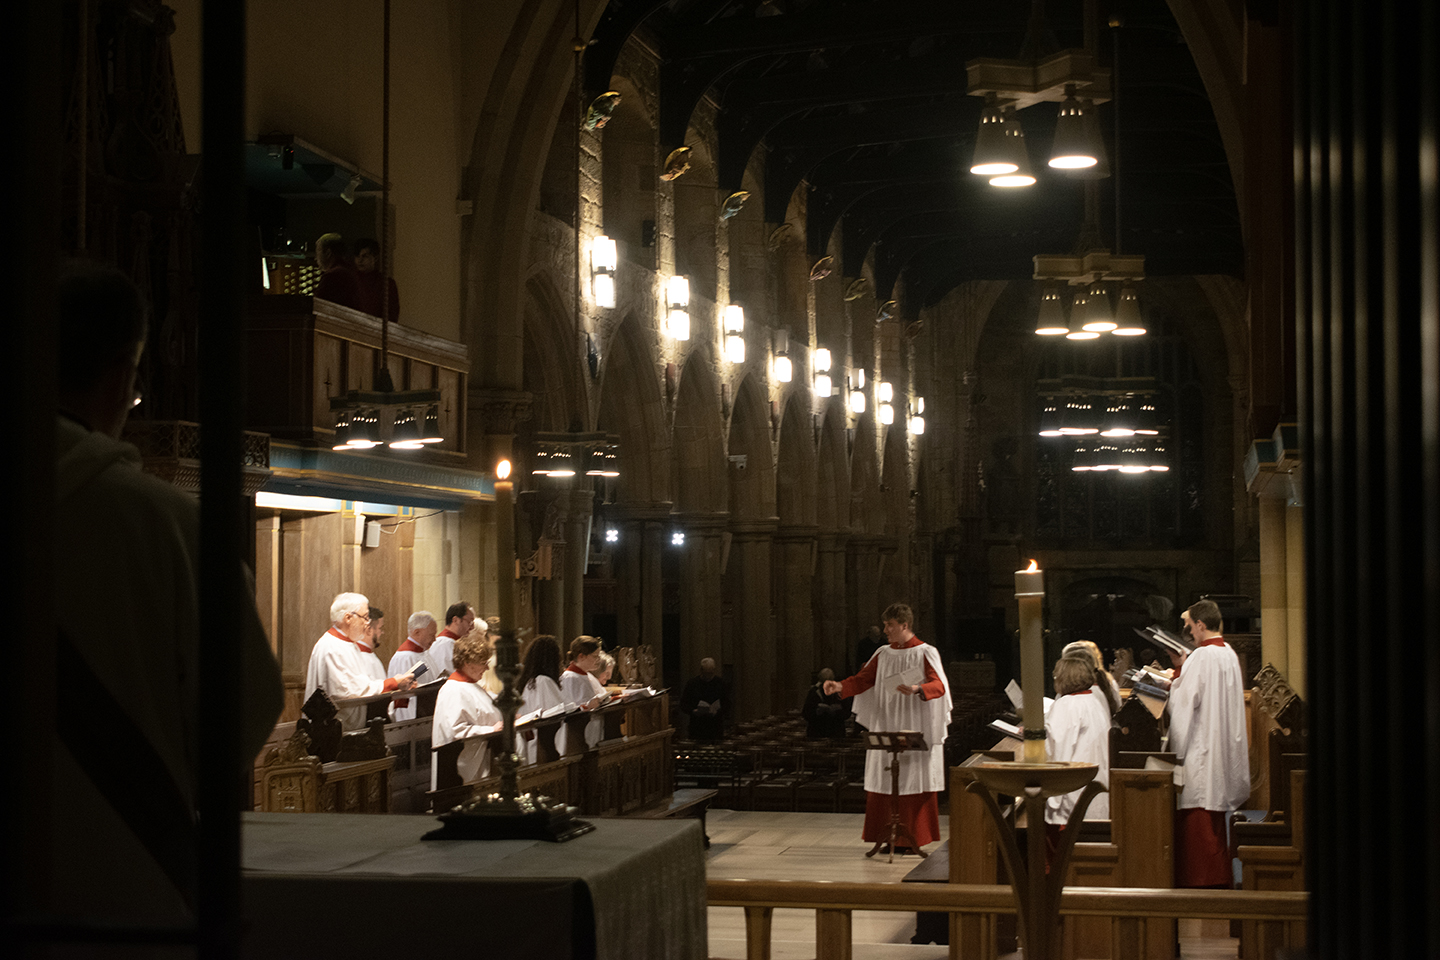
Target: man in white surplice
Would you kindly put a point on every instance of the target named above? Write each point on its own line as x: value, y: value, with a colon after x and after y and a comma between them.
x: 902, y: 687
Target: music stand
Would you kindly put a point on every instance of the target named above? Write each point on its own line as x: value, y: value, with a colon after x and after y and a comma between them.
x: 896, y: 742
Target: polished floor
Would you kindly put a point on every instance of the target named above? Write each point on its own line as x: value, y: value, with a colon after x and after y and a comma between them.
x: 811, y: 846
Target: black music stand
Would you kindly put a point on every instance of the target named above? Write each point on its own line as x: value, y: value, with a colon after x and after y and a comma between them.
x: 896, y: 742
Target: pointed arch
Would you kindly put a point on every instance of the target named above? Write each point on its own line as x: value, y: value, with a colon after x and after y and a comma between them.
x: 632, y: 407
x: 795, y: 473
x: 752, y: 490
x: 552, y: 373
x: 832, y: 482
x: 699, y: 446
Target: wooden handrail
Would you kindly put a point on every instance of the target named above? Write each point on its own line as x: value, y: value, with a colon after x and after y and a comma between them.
x: 1142, y: 902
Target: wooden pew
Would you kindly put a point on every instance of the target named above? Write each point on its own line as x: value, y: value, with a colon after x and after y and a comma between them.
x: 1273, y: 867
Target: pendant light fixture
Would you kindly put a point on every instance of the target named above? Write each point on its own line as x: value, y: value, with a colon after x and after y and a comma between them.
x: 992, y: 155
x: 1052, y: 314
x: 1128, y: 322
x: 1098, y: 318
x: 1073, y: 147
x: 1016, y: 153
x: 1077, y: 329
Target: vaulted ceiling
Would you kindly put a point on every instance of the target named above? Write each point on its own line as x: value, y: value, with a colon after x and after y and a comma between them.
x: 864, y: 102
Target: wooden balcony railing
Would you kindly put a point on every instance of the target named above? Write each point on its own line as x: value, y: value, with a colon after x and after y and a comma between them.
x: 1280, y: 916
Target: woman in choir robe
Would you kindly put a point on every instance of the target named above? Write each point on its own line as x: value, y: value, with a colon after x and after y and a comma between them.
x: 607, y: 668
x: 540, y: 687
x: 1077, y: 729
x: 463, y: 709
x: 902, y: 687
x: 1104, y: 685
x: 578, y: 683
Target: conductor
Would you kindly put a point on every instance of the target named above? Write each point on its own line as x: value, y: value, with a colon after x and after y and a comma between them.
x: 902, y: 687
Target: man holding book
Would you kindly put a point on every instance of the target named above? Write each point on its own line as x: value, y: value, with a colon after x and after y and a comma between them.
x: 1207, y: 734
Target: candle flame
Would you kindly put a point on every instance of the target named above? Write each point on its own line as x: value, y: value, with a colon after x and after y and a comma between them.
x: 502, y: 469
x: 1033, y: 568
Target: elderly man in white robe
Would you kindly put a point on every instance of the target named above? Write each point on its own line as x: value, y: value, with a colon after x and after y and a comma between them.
x: 413, y: 651
x: 1207, y: 734
x: 902, y: 687
x: 343, y: 664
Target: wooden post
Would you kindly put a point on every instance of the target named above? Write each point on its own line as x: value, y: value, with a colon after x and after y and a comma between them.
x: 832, y: 935
x: 757, y: 932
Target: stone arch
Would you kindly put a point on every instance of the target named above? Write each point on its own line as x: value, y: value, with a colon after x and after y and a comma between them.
x: 629, y: 179
x: 894, y: 497
x: 699, y: 447
x: 552, y: 373
x: 749, y: 257
x: 696, y: 218
x: 795, y: 474
x: 867, y: 510
x: 632, y: 407
x: 832, y: 481
x: 752, y: 490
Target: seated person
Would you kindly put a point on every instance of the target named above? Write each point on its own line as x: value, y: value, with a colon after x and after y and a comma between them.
x: 540, y: 686
x: 338, y: 283
x: 1077, y: 728
x: 463, y: 709
x: 704, y: 700
x: 372, y: 290
x: 825, y: 713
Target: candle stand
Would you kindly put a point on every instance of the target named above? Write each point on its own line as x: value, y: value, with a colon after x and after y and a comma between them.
x: 508, y: 814
x: 1037, y: 893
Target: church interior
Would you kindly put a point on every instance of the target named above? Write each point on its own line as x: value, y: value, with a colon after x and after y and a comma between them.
x: 768, y: 347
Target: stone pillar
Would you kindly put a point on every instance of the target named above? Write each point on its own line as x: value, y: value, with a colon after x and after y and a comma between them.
x: 862, y: 582
x: 1295, y: 595
x: 629, y: 582
x: 579, y: 508
x: 700, y: 593
x: 795, y: 624
x: 752, y: 685
x: 1274, y: 577
x: 834, y: 647
x: 652, y: 592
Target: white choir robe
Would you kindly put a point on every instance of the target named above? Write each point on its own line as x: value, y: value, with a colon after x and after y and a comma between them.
x: 345, y: 669
x: 402, y: 661
x: 442, y: 651
x: 463, y: 709
x: 577, y: 686
x: 541, y: 694
x: 1207, y: 729
x: 882, y: 709
x: 1077, y: 729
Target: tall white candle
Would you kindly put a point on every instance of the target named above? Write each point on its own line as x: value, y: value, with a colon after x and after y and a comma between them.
x: 505, y: 544
x: 1030, y: 594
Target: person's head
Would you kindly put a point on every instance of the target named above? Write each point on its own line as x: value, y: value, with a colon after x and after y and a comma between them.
x: 826, y: 674
x: 1073, y: 674
x: 583, y: 653
x: 350, y: 614
x: 421, y: 628
x: 459, y: 618
x: 472, y: 654
x: 377, y: 627
x: 330, y: 251
x: 542, y: 659
x: 876, y: 633
x: 1084, y: 648
x: 707, y: 668
x: 367, y: 255
x: 1202, y: 615
x: 899, y: 622
x: 607, y: 667
x: 101, y: 330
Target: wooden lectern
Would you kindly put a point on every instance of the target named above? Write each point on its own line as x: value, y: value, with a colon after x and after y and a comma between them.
x: 895, y: 743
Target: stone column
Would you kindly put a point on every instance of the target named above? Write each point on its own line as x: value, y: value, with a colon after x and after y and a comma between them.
x: 795, y: 624
x: 579, y: 508
x: 652, y: 592
x: 700, y: 593
x: 1274, y: 577
x: 834, y: 647
x: 752, y: 685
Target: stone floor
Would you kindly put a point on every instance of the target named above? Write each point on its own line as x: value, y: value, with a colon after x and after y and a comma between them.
x: 812, y: 846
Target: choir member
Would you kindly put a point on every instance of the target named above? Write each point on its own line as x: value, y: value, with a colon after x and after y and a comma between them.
x: 1077, y: 729
x: 1207, y: 733
x: 413, y: 651
x: 344, y: 665
x: 464, y: 710
x: 459, y: 618
x: 540, y: 686
x: 902, y: 687
x: 1105, y: 685
x: 578, y: 683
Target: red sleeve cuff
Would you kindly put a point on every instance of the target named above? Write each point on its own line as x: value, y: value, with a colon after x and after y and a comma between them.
x: 390, y: 684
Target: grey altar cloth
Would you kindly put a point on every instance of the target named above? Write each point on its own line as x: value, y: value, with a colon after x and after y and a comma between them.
x: 335, y: 884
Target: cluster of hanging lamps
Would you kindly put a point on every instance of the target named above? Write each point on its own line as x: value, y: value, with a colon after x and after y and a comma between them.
x: 1090, y: 314
x: 1001, y: 154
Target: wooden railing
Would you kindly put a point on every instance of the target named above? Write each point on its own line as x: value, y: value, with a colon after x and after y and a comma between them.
x: 1280, y: 916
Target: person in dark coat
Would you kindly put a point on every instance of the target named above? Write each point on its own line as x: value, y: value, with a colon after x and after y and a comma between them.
x: 705, y: 700
x: 825, y: 713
